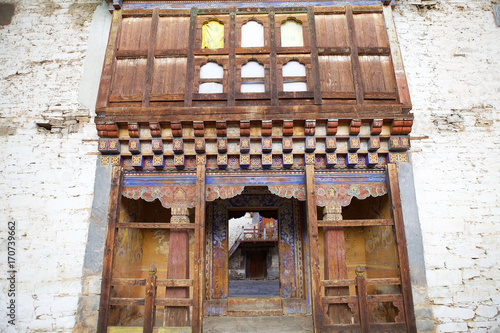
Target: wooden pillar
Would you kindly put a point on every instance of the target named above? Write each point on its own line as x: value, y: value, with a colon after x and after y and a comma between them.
x: 149, y: 301
x: 113, y: 215
x: 199, y: 250
x: 178, y: 268
x: 312, y: 223
x: 397, y: 215
x: 335, y: 264
x: 364, y: 315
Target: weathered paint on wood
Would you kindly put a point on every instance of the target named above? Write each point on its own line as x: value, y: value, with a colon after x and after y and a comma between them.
x: 199, y: 249
x: 149, y: 302
x: 314, y: 248
x: 336, y: 268
x: 178, y: 268
x: 109, y: 60
x: 113, y: 214
x: 397, y: 60
x: 397, y: 215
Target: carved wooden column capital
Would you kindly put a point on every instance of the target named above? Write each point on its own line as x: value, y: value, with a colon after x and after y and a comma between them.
x: 332, y: 212
x: 180, y: 213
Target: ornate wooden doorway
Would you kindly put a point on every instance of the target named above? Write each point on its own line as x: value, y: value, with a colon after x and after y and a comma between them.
x: 289, y: 240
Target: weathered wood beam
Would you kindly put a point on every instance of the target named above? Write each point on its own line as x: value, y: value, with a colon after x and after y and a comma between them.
x: 109, y: 60
x: 364, y: 311
x: 316, y: 83
x: 312, y: 223
x: 397, y: 216
x: 199, y: 249
x: 356, y: 67
x: 151, y: 58
x: 190, y: 59
x: 149, y: 301
x: 154, y: 225
x: 113, y: 215
x: 397, y: 60
x: 354, y: 223
x: 279, y: 112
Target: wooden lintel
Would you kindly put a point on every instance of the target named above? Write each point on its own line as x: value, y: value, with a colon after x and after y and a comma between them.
x: 352, y: 282
x: 154, y: 225
x: 354, y: 223
x: 384, y: 298
x: 338, y: 299
x: 125, y: 301
x: 174, y: 302
x: 128, y: 282
x: 174, y: 282
x: 237, y: 113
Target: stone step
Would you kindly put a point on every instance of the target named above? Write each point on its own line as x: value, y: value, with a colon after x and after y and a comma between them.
x: 253, y: 303
x: 272, y: 324
x: 254, y: 313
x: 254, y: 306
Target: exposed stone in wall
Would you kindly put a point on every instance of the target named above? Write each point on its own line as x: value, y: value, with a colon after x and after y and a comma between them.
x: 450, y: 51
x: 48, y: 164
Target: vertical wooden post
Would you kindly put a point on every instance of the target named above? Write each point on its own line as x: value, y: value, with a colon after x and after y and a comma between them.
x: 312, y: 222
x: 178, y: 268
x: 113, y: 214
x: 397, y: 215
x: 356, y: 68
x: 364, y: 315
x: 397, y: 60
x: 109, y: 60
x: 199, y: 250
x: 273, y: 65
x: 231, y: 87
x: 335, y: 264
x: 316, y: 80
x: 149, y: 301
x: 151, y: 58
x: 188, y: 97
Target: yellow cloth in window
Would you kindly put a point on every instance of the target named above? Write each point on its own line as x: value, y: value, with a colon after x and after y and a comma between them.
x: 212, y: 35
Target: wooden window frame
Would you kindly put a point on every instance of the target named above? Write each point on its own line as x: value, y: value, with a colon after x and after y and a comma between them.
x: 303, y: 60
x: 200, y: 62
x: 238, y: 80
x: 243, y: 19
x: 300, y: 18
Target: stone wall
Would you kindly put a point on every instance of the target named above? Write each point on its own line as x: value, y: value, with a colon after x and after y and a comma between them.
x: 50, y: 62
x: 48, y: 84
x: 451, y: 55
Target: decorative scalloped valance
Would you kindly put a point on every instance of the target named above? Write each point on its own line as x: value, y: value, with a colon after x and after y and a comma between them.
x: 331, y: 187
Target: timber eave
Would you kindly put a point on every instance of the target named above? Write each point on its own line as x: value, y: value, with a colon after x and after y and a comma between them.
x: 239, y: 113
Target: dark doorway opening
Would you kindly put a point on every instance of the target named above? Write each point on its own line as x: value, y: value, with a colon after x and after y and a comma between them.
x: 253, y: 256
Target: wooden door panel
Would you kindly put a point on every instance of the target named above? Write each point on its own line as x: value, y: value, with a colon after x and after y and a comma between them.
x: 257, y: 265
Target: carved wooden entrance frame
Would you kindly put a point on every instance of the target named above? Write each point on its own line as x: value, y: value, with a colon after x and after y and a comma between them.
x: 189, y: 190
